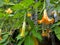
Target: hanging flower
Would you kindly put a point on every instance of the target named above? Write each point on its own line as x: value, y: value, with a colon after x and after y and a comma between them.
x: 48, y: 32
x: 45, y: 19
x: 44, y: 34
x: 9, y: 11
x: 23, y: 29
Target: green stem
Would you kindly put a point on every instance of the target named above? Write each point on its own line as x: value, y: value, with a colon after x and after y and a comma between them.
x: 25, y: 16
x: 44, y: 4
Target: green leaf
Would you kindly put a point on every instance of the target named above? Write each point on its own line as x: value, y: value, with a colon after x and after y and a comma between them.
x: 1, y: 44
x: 57, y: 8
x: 37, y: 27
x: 57, y: 31
x: 18, y: 23
x: 20, y: 42
x: 37, y: 34
x: 27, y: 3
x: 56, y: 24
x: 22, y: 5
x: 18, y: 14
x: 29, y: 41
x: 6, y: 42
x: 4, y: 38
x: 18, y: 37
x: 30, y: 22
x: 36, y: 5
x: 1, y: 15
x: 10, y: 3
x: 7, y: 1
x: 1, y: 3
x: 17, y: 7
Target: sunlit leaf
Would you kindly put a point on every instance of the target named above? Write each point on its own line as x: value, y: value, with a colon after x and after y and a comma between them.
x: 29, y: 41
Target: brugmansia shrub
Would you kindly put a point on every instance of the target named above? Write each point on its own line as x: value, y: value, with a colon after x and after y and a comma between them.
x: 22, y: 22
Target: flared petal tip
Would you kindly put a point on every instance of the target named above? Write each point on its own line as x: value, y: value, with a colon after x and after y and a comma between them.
x: 39, y: 21
x: 52, y: 21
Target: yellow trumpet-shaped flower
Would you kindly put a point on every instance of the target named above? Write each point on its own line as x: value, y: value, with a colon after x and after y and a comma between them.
x: 9, y: 11
x: 45, y: 19
x: 23, y: 29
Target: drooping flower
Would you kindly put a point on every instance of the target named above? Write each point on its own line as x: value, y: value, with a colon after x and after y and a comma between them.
x: 44, y: 33
x: 45, y: 19
x: 23, y: 29
x: 9, y: 11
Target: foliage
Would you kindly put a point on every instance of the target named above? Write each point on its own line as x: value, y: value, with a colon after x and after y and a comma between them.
x: 9, y: 22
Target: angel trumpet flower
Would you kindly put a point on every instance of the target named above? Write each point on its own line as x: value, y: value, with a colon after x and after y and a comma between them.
x: 45, y: 19
x: 23, y: 29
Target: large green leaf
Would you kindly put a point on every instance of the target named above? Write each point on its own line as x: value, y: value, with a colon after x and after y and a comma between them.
x: 20, y: 42
x: 57, y: 31
x: 1, y: 3
x: 37, y: 34
x: 22, y: 5
x: 7, y: 1
x: 29, y: 41
x: 37, y: 4
x: 56, y: 24
x: 58, y: 7
x: 6, y: 42
x: 18, y: 37
x: 2, y: 15
x: 1, y: 44
x: 5, y: 37
x: 30, y: 22
x: 19, y: 14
